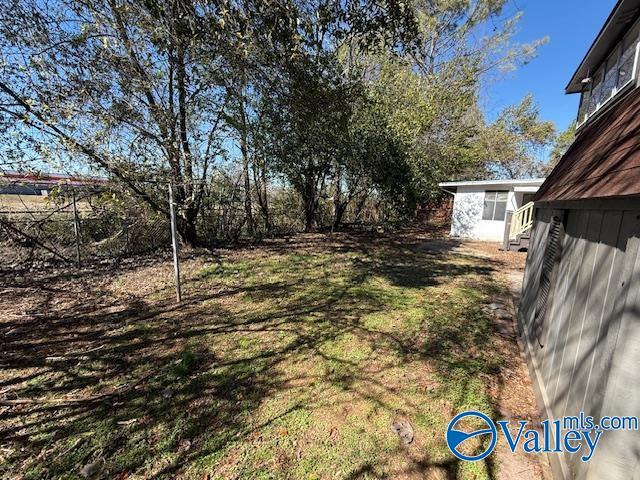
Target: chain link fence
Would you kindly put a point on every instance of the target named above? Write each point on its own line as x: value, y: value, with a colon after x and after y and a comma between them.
x: 75, y: 226
x: 58, y: 230
x: 84, y: 224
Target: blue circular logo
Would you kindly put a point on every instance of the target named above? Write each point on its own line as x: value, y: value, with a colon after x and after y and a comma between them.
x: 456, y: 437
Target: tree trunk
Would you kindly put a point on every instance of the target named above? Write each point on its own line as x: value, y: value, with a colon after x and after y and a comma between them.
x: 339, y: 205
x: 187, y: 231
x: 359, y: 207
x: 248, y: 209
x: 260, y: 180
x: 309, y: 218
x: 309, y: 206
x: 309, y: 194
x: 338, y: 215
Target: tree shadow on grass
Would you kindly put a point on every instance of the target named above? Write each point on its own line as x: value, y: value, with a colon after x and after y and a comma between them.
x: 138, y: 384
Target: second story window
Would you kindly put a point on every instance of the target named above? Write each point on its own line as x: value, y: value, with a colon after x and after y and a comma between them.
x: 614, y: 74
x: 595, y: 95
x: 628, y: 59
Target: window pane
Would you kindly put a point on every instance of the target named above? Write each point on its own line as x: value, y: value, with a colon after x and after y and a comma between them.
x: 584, y: 102
x: 596, y: 88
x: 487, y: 213
x: 502, y: 196
x: 610, y: 76
x: 501, y: 209
x: 626, y: 61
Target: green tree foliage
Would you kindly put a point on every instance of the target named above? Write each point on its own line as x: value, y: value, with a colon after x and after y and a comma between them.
x: 310, y: 117
x: 430, y: 96
x: 343, y: 101
x: 517, y: 139
x: 375, y: 158
x: 562, y: 143
x: 436, y: 127
x: 120, y: 85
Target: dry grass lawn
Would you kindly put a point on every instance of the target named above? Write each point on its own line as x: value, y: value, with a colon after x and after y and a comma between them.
x: 289, y: 360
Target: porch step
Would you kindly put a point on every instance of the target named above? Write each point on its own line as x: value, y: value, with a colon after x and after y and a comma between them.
x: 521, y: 242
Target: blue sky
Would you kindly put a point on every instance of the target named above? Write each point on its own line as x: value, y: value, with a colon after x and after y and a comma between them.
x: 571, y: 26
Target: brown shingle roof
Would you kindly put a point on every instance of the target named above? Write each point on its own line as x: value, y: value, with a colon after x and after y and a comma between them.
x: 604, y: 160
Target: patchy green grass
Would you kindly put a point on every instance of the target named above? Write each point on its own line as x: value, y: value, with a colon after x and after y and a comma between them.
x: 288, y: 361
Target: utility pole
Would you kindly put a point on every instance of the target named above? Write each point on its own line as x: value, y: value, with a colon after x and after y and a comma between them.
x: 174, y: 242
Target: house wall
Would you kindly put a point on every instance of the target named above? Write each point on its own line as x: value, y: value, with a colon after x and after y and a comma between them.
x: 604, y: 159
x: 466, y: 219
x: 584, y: 355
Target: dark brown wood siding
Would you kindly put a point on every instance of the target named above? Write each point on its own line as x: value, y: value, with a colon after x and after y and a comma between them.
x: 604, y: 160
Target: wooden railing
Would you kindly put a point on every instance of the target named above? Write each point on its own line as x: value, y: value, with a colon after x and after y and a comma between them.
x: 522, y: 220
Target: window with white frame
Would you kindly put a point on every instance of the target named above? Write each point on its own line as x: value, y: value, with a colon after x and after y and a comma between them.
x: 617, y: 72
x: 495, y: 204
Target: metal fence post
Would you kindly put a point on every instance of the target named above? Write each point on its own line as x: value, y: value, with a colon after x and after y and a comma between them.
x: 76, y: 227
x: 174, y: 242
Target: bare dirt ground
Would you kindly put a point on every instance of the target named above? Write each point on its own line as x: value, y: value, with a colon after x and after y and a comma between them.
x: 293, y: 359
x: 516, y: 401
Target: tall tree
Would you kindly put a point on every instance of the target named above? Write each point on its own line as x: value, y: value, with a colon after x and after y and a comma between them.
x: 430, y: 94
x: 120, y: 84
x: 562, y: 143
x: 516, y: 141
x: 311, y: 95
x: 339, y: 99
x: 467, y: 35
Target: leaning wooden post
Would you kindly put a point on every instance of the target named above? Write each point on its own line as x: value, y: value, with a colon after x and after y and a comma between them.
x: 174, y: 242
x: 76, y: 226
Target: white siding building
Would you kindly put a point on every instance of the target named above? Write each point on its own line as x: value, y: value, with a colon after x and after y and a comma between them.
x: 480, y: 207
